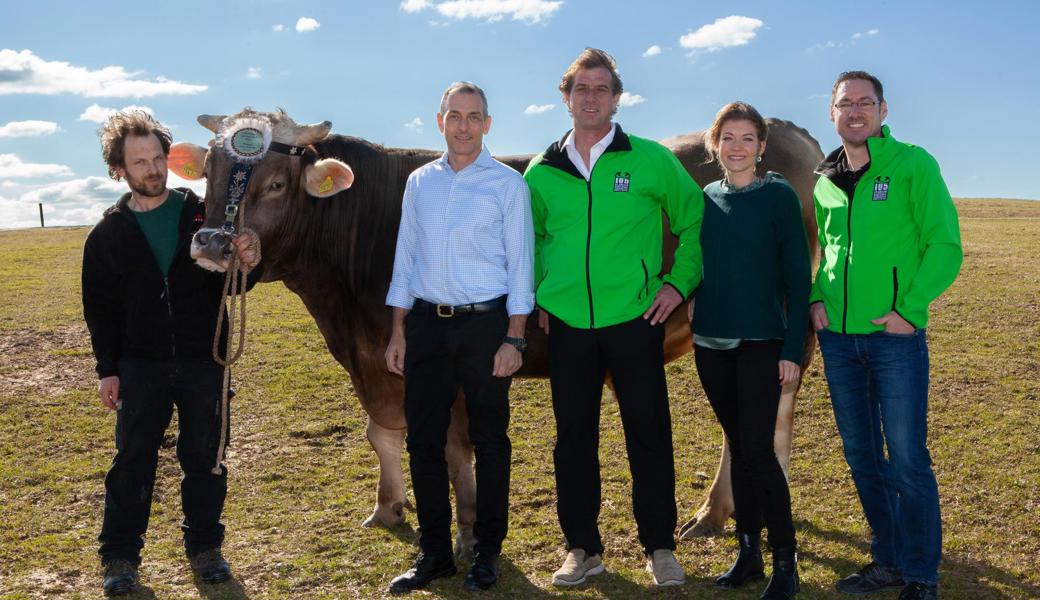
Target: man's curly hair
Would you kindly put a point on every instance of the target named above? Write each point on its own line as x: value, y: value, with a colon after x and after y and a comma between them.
x: 114, y: 132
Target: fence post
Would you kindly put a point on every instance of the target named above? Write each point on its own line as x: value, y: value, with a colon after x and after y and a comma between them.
x: 41, y: 213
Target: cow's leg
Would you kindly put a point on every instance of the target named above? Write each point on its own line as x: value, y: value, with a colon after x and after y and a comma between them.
x: 711, y: 517
x: 459, y: 456
x: 784, y: 435
x: 390, y: 496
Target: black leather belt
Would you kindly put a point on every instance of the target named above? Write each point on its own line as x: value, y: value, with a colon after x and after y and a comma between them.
x: 447, y: 310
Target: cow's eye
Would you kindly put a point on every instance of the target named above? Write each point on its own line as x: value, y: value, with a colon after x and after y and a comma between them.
x: 276, y: 186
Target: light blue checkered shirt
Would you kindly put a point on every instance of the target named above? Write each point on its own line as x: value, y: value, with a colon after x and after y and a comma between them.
x: 465, y: 237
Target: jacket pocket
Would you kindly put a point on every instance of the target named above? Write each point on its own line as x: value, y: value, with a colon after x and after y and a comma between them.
x: 895, y: 287
x: 646, y: 279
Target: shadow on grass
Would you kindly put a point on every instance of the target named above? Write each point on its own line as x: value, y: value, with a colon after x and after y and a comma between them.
x: 229, y: 590
x: 973, y: 578
x: 140, y: 592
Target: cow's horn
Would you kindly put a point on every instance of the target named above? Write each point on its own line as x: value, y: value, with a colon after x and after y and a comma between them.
x: 212, y: 122
x: 306, y: 135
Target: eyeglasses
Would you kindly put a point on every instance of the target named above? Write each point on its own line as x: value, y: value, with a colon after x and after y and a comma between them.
x: 845, y: 106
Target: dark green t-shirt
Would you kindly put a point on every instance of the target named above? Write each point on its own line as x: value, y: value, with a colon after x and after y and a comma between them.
x: 161, y: 227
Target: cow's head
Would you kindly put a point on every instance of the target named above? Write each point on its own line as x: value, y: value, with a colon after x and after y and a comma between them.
x: 258, y: 164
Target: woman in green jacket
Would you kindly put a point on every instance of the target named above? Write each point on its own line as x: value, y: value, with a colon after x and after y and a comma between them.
x: 748, y: 330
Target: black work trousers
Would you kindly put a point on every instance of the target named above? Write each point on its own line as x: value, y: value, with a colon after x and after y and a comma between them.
x: 443, y: 355
x: 149, y: 390
x: 743, y: 388
x: 579, y: 359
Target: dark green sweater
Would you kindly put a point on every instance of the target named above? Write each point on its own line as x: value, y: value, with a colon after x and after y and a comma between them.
x: 756, y: 257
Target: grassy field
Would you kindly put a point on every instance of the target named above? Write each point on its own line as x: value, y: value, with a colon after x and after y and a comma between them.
x: 303, y: 476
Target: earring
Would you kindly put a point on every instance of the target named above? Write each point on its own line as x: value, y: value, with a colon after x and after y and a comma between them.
x: 758, y: 158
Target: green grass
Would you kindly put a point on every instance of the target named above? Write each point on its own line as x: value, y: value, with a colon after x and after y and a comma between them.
x: 303, y: 476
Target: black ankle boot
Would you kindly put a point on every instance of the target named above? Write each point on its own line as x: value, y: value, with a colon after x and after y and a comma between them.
x: 747, y: 567
x: 783, y: 584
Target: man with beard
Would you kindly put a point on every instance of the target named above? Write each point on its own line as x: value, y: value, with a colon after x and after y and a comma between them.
x: 152, y: 314
x: 870, y: 310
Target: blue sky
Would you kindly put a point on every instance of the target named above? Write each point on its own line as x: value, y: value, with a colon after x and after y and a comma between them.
x: 957, y: 75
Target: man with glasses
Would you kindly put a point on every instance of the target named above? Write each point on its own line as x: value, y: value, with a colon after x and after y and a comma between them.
x: 891, y: 245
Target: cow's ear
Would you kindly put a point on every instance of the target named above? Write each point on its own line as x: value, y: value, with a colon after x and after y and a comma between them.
x: 187, y: 160
x: 327, y: 177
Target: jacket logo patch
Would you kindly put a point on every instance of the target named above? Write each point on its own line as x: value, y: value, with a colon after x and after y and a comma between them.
x: 621, y: 181
x: 880, y: 189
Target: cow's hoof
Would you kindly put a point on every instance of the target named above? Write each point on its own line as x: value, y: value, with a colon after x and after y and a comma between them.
x: 386, y: 516
x: 701, y: 526
x: 464, y: 544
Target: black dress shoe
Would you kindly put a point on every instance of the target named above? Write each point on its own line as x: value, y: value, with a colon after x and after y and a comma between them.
x: 783, y: 583
x: 482, y: 575
x: 870, y: 578
x: 119, y: 576
x: 747, y: 567
x: 210, y: 566
x: 426, y: 569
x: 916, y: 590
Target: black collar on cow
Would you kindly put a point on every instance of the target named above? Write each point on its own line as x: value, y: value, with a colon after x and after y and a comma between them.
x: 238, y: 182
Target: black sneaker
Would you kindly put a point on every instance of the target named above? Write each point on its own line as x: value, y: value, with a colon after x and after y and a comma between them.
x: 870, y: 578
x: 210, y: 566
x: 119, y: 576
x: 915, y: 590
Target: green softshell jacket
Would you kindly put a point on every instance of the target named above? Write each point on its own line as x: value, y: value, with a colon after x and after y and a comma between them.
x: 598, y: 258
x: 894, y: 245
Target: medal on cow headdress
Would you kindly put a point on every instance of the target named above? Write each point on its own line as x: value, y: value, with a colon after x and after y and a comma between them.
x: 246, y: 140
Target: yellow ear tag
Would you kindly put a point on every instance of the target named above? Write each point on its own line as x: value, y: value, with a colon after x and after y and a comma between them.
x: 189, y: 171
x: 326, y: 185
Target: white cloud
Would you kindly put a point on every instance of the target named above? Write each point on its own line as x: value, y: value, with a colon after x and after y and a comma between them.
x: 74, y: 202
x: 278, y: 28
x: 25, y: 73
x: 723, y: 33
x: 853, y: 39
x: 630, y: 99
x: 100, y: 114
x: 537, y: 109
x: 305, y: 24
x: 12, y: 166
x: 253, y: 73
x: 414, y: 5
x: 652, y: 51
x: 531, y: 11
x: 28, y: 129
x: 415, y: 125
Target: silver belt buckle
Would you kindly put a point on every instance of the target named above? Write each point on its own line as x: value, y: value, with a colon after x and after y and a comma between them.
x: 445, y: 310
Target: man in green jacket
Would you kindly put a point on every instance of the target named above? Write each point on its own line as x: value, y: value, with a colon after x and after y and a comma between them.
x: 597, y: 197
x: 891, y: 244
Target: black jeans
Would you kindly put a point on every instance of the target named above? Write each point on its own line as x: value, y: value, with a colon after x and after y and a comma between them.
x: 149, y: 389
x: 579, y: 359
x: 443, y: 355
x: 743, y: 388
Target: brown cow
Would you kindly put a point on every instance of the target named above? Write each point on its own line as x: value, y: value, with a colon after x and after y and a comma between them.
x: 334, y: 247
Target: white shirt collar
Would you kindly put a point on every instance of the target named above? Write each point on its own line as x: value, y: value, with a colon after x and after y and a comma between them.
x: 595, y: 152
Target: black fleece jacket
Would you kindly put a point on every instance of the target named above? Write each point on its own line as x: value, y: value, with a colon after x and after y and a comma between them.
x: 131, y: 310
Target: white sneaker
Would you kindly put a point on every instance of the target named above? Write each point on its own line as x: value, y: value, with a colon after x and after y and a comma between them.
x: 665, y: 568
x: 577, y: 568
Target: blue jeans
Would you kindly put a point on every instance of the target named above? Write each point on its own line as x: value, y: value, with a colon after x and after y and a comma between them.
x: 879, y: 390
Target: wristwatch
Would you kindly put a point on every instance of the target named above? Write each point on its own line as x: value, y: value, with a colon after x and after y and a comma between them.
x: 517, y: 342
